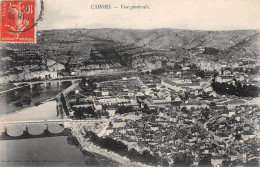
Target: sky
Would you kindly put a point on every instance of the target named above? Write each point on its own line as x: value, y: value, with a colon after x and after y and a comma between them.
x: 177, y: 14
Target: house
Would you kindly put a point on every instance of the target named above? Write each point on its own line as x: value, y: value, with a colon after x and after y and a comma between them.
x: 131, y: 93
x: 232, y: 104
x: 109, y: 130
x: 208, y: 89
x: 221, y: 137
x: 118, y: 124
x: 180, y: 86
x: 97, y: 105
x: 247, y: 135
x: 217, y: 161
x: 111, y: 111
x: 195, y: 105
x: 139, y: 93
x: 105, y: 93
x: 107, y: 100
x: 230, y: 114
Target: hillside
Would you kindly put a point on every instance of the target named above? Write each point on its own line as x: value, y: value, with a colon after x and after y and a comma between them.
x: 167, y: 38
x: 94, y: 50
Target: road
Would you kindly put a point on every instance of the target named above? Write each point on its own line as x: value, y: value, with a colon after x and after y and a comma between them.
x: 53, y: 121
x: 103, y: 131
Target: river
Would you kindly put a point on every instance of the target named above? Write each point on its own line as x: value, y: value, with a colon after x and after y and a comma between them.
x: 16, y: 100
x: 51, y: 151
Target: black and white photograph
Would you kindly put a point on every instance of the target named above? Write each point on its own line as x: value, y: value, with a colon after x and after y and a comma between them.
x: 129, y: 83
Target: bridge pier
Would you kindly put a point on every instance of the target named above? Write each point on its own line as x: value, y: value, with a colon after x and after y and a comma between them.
x: 25, y: 128
x: 31, y: 87
x: 45, y: 85
x: 3, y: 132
x: 45, y: 129
x: 25, y: 131
x: 59, y: 83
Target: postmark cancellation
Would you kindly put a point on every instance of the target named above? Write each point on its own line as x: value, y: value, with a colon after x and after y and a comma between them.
x: 17, y: 21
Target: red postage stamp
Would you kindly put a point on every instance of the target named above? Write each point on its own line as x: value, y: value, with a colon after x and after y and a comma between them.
x: 17, y: 21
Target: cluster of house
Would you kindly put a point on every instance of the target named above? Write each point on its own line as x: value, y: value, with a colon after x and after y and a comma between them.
x: 212, y: 127
x: 215, y: 133
x: 200, y: 130
x: 118, y: 92
x: 207, y: 65
x: 235, y: 132
x: 155, y: 93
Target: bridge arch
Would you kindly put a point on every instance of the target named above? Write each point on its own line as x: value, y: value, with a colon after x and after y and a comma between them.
x: 25, y: 131
x: 14, y: 130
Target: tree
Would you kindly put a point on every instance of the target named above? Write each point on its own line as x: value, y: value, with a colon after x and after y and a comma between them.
x: 67, y: 67
x: 222, y: 71
x: 83, y: 82
x: 146, y: 108
x: 78, y: 114
x: 252, y: 163
x: 226, y: 163
x: 211, y: 51
x: 184, y: 109
x: 237, y: 89
x: 200, y: 73
x: 89, y: 110
x: 158, y: 71
x: 205, y: 162
x: 182, y: 160
x: 124, y: 109
x: 104, y: 107
x: 149, y: 159
x: 177, y: 66
x: 19, y: 104
x: 193, y: 66
x: 26, y: 100
x: 63, y: 101
x: 165, y: 163
x: 205, y: 113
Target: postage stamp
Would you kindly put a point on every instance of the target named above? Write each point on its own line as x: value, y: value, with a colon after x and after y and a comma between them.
x: 17, y: 18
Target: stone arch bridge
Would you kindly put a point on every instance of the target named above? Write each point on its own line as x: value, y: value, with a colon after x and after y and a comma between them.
x: 45, y: 82
x: 65, y: 123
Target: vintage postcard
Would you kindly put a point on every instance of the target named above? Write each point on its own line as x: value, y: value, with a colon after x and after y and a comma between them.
x: 129, y: 83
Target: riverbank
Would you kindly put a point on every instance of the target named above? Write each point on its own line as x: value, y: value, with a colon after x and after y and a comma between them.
x: 90, y: 147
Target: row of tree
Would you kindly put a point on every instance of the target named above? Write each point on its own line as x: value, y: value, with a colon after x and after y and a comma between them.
x: 158, y: 71
x: 122, y: 149
x: 81, y: 112
x: 25, y: 100
x: 124, y: 109
x: 237, y: 89
x: 253, y: 71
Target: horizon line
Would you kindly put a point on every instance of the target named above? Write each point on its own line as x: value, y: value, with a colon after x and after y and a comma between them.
x: 143, y: 29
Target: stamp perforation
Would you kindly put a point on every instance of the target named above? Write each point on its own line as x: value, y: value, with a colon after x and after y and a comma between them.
x: 20, y: 13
